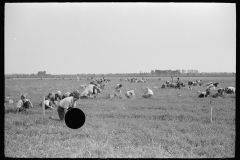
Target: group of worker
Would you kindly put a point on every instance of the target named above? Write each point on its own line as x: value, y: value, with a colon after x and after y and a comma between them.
x: 68, y: 100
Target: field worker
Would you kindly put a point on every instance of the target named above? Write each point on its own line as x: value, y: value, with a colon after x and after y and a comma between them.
x: 67, y: 103
x: 48, y: 104
x: 96, y: 91
x: 58, y: 97
x: 118, y: 92
x: 178, y: 80
x: 49, y: 101
x: 67, y: 94
x: 88, y: 91
x: 148, y: 93
x: 130, y: 94
x: 23, y: 104
x: 51, y: 98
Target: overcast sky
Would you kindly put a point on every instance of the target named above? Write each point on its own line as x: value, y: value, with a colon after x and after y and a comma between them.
x: 75, y: 38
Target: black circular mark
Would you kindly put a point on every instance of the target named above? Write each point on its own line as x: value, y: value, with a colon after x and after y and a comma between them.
x: 74, y: 118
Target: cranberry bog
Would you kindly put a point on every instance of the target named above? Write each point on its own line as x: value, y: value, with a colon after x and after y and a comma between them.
x: 174, y: 123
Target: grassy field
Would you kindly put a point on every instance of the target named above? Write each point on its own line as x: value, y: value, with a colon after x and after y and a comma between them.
x: 165, y: 126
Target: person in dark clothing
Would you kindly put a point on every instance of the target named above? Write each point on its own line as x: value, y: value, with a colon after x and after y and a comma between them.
x: 58, y: 96
x: 178, y: 80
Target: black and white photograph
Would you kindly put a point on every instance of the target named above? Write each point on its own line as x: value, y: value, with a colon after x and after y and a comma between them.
x: 119, y: 80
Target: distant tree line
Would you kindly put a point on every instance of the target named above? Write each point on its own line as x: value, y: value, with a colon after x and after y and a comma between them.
x: 156, y: 73
x: 166, y: 73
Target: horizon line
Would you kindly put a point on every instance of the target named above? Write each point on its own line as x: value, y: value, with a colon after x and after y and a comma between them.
x: 107, y: 73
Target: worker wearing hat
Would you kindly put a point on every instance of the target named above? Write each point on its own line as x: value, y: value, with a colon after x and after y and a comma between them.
x: 67, y: 103
x: 23, y: 104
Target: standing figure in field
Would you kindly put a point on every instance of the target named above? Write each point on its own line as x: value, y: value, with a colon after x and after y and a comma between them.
x: 67, y: 103
x: 148, y: 93
x: 118, y: 91
x: 178, y: 80
x: 130, y: 94
x: 178, y: 84
x: 23, y: 104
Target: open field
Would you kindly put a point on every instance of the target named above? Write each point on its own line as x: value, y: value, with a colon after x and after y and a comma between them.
x: 165, y: 126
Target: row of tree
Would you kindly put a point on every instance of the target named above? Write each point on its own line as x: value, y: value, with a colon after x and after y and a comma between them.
x: 166, y: 73
x: 156, y: 73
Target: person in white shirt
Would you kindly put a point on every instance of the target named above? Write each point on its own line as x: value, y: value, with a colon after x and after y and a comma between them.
x: 148, y: 93
x: 88, y: 91
x: 118, y: 92
x: 130, y: 94
x: 23, y: 104
x: 49, y: 101
x: 48, y: 104
x: 67, y: 103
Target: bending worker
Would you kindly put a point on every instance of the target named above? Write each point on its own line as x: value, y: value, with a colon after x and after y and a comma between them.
x: 118, y: 92
x: 88, y: 91
x: 130, y: 94
x: 67, y: 103
x: 148, y: 93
